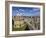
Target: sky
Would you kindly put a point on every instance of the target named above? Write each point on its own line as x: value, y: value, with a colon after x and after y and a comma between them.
x: 25, y: 11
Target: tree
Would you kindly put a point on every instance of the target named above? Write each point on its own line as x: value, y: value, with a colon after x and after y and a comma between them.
x: 27, y: 28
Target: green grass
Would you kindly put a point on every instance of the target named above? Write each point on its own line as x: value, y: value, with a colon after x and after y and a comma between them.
x: 21, y: 28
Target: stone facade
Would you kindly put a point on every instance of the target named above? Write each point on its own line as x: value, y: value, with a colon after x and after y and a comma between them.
x: 32, y: 21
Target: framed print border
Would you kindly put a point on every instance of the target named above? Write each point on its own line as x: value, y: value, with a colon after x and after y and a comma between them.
x: 7, y: 19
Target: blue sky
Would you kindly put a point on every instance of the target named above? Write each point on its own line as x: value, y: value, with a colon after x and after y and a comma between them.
x: 25, y: 11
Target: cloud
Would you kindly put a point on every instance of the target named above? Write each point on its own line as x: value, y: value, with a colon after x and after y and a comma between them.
x: 35, y: 14
x: 19, y: 14
x: 37, y: 9
x: 21, y: 10
x: 16, y: 11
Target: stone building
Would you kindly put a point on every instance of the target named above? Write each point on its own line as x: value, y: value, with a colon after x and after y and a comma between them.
x: 32, y: 21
